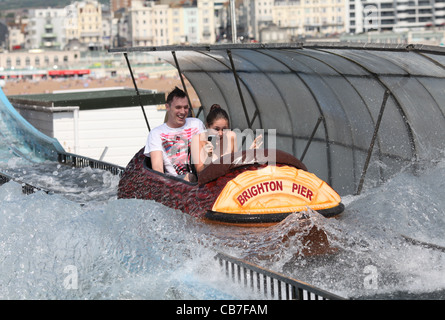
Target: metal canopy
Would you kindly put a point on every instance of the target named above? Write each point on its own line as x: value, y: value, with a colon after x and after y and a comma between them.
x: 288, y: 87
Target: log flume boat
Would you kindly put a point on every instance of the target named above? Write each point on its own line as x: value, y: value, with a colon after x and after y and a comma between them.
x: 249, y: 187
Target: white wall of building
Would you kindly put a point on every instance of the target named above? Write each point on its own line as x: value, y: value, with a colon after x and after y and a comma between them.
x: 119, y: 132
x: 116, y: 133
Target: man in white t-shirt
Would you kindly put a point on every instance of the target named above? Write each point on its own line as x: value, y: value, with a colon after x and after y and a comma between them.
x: 168, y: 144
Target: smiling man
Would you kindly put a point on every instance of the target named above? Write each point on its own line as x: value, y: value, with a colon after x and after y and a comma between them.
x: 168, y: 144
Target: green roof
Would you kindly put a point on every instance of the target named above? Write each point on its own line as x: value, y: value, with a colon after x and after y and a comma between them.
x: 94, y: 99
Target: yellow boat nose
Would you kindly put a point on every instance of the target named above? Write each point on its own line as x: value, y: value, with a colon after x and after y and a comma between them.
x: 273, y: 190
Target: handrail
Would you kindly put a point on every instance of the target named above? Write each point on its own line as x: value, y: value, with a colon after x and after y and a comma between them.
x: 26, y: 188
x: 70, y: 159
x: 78, y: 161
x: 269, y: 283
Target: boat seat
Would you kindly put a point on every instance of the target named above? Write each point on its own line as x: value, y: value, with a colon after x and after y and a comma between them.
x: 239, y: 159
x: 147, y: 163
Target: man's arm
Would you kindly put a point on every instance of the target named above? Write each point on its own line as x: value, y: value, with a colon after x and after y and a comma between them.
x: 157, y: 161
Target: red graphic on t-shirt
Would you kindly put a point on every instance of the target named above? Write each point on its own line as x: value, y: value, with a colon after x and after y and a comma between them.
x: 176, y: 146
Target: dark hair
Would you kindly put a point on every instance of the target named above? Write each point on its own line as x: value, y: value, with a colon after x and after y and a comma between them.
x: 216, y: 112
x: 176, y: 93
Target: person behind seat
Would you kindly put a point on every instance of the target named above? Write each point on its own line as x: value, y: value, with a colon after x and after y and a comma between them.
x: 168, y: 144
x: 203, y: 150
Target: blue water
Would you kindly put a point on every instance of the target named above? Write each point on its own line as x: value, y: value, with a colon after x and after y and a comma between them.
x: 80, y: 242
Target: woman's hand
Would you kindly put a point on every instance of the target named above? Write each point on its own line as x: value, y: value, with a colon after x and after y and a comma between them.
x: 208, y: 148
x: 257, y: 142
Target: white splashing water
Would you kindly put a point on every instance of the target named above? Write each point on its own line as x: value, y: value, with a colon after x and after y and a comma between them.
x: 376, y: 256
x: 54, y: 248
x: 86, y: 244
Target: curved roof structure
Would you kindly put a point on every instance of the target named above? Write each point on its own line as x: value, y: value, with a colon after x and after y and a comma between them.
x: 381, y: 107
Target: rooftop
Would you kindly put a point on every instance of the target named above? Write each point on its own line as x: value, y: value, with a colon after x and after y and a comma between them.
x: 92, y: 98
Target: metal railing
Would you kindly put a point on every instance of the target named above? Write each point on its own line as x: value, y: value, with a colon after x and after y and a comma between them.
x: 69, y: 159
x: 269, y: 284
x: 26, y: 188
x: 77, y: 161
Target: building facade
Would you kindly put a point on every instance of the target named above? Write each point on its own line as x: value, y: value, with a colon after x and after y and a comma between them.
x: 89, y: 21
x: 310, y: 17
x: 89, y: 25
x: 257, y: 15
x: 54, y: 28
x: 148, y: 24
x: 206, y: 21
x: 38, y: 59
x: 153, y: 24
x: 394, y: 15
x: 46, y: 29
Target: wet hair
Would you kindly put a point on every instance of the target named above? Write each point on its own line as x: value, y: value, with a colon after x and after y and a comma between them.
x: 176, y: 93
x: 216, y: 113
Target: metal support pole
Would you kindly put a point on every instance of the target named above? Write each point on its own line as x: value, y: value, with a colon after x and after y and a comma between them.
x: 233, y: 20
x: 229, y: 53
x: 371, y: 146
x: 312, y: 137
x: 137, y: 91
x: 191, y: 112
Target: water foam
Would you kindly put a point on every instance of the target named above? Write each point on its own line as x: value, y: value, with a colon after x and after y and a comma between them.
x: 119, y: 249
x: 376, y: 255
x: 140, y: 249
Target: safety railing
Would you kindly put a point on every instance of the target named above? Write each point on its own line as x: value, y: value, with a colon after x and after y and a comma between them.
x: 269, y: 284
x: 77, y: 161
x: 69, y: 159
x: 26, y: 188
